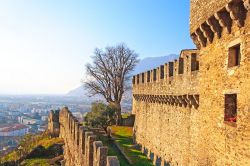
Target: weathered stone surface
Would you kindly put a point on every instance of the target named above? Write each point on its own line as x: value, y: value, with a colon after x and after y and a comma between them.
x: 101, y: 156
x: 96, y: 145
x: 201, y: 10
x: 53, y: 123
x: 89, y: 149
x: 210, y: 18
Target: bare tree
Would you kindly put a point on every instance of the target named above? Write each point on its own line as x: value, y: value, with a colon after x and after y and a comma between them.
x: 109, y: 74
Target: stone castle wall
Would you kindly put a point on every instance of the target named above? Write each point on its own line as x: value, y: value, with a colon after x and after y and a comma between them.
x: 165, y: 109
x: 180, y: 118
x: 81, y: 147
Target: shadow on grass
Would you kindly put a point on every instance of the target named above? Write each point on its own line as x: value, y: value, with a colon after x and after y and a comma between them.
x: 112, y: 150
x: 125, y: 141
x: 133, y: 152
x: 43, y: 152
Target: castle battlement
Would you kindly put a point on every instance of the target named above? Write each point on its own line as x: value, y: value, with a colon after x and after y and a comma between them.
x: 81, y: 147
x: 174, y: 82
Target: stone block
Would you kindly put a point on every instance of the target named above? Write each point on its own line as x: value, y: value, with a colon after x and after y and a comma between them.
x: 89, y: 149
x: 96, y: 145
x: 101, y: 156
x: 112, y: 161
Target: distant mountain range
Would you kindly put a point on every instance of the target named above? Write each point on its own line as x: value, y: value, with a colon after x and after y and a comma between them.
x: 153, y: 62
x: 143, y: 65
x: 80, y: 91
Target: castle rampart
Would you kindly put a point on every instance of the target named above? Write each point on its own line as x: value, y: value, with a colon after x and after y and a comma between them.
x: 174, y: 83
x: 81, y: 147
x: 200, y: 115
x: 164, y: 99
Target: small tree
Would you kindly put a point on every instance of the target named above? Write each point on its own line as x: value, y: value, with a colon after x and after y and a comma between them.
x: 109, y: 74
x: 100, y: 115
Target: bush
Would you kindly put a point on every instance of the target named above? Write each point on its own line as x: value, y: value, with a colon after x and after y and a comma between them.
x: 38, y: 151
x: 101, y: 115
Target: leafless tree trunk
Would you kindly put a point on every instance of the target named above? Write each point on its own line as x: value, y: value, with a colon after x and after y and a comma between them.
x: 109, y: 74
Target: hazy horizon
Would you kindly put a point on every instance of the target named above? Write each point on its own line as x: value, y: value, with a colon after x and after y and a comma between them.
x: 45, y: 44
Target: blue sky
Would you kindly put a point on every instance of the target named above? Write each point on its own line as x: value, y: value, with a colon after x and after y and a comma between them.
x: 44, y: 44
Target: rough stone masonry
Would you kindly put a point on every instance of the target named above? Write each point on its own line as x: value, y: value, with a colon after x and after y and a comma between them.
x: 80, y: 145
x: 196, y: 110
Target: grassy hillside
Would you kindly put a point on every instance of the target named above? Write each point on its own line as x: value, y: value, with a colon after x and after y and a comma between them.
x: 34, y: 150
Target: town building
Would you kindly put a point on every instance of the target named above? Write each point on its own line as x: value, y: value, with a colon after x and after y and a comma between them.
x: 13, y: 130
x: 27, y: 120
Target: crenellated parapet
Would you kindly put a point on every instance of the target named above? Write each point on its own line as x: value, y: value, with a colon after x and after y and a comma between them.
x: 81, y: 146
x: 209, y: 18
x: 173, y: 83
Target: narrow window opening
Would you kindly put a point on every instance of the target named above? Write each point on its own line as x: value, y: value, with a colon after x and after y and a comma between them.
x: 171, y: 69
x: 194, y: 62
x: 148, y: 76
x: 142, y: 79
x: 133, y: 79
x: 181, y: 66
x: 162, y: 71
x: 234, y: 56
x: 154, y: 73
x: 138, y: 78
x: 230, y: 113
